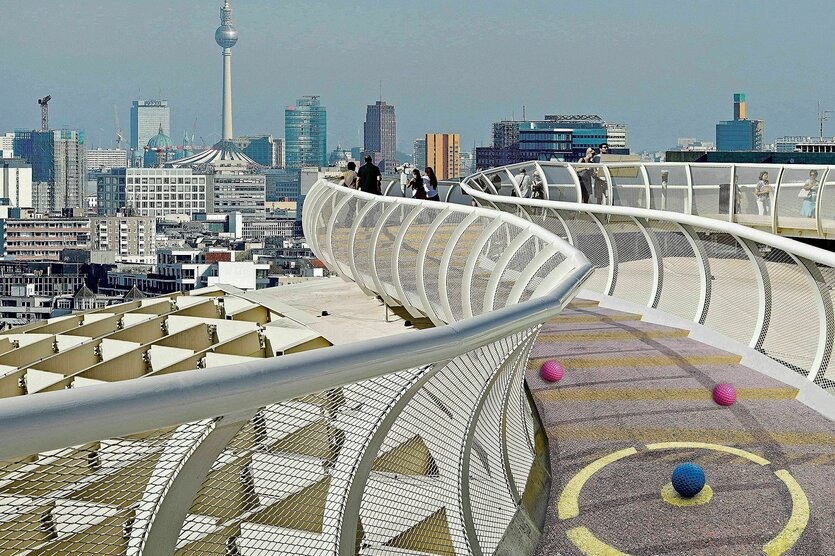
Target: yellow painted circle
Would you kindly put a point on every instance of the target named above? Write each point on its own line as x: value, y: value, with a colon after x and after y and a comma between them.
x: 568, y: 506
x: 670, y: 496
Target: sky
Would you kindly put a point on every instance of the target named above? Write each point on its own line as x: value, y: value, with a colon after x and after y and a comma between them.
x: 667, y: 69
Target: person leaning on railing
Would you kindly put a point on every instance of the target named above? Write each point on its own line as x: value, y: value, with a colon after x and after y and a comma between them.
x: 430, y: 184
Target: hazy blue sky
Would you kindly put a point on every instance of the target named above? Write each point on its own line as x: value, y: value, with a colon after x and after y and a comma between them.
x: 666, y: 68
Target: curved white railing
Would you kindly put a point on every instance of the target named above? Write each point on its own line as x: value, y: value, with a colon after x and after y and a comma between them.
x: 768, y: 292
x: 416, y: 443
x: 713, y: 190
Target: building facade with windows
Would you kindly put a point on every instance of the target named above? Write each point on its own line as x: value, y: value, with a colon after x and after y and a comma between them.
x: 43, y: 239
x: 740, y: 134
x: 236, y: 191
x: 305, y: 133
x: 131, y: 238
x: 102, y: 159
x: 15, y: 182
x: 154, y: 192
x: 443, y: 154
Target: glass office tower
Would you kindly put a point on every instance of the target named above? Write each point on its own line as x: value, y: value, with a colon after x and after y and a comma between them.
x: 305, y: 133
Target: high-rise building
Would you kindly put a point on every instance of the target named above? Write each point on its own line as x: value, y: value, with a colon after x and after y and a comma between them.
x: 305, y: 133
x: 380, y: 137
x: 443, y: 154
x: 419, y: 153
x: 59, y: 164
x: 7, y: 145
x: 739, y: 134
x: 616, y: 135
x: 146, y: 119
x: 283, y: 184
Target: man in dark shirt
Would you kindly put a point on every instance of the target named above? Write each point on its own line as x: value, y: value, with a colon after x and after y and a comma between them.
x: 370, y: 177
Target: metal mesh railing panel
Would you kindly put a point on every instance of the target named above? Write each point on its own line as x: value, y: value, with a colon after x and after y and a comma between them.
x: 793, y: 325
x: 635, y: 263
x: 362, y: 242
x: 734, y: 290
x: 407, y: 257
x: 340, y: 236
x: 432, y: 262
x: 280, y: 485
x: 588, y: 237
x: 382, y: 255
x: 512, y: 272
x: 681, y: 275
x: 485, y: 266
x: 455, y: 274
x: 88, y: 499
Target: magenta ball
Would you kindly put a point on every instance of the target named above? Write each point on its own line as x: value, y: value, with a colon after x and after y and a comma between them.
x: 552, y: 370
x: 724, y: 394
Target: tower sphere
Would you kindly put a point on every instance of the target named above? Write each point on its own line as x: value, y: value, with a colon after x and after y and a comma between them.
x: 226, y: 36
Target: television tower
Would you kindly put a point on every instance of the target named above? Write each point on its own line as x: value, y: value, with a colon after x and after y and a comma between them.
x: 226, y: 36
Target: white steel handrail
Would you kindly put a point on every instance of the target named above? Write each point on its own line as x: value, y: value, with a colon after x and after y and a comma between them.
x: 810, y: 270
x: 691, y: 186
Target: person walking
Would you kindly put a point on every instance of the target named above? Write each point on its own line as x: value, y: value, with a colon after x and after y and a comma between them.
x: 349, y: 177
x: 809, y: 194
x: 370, y: 177
x: 524, y: 183
x: 763, y: 193
x: 430, y: 184
x: 416, y: 185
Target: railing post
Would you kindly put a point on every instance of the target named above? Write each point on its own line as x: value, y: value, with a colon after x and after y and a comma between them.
x: 657, y: 263
x: 763, y: 290
x: 705, y: 276
x: 173, y: 503
x: 776, y: 203
x: 688, y: 174
x: 347, y: 544
x: 612, y: 249
x: 819, y: 202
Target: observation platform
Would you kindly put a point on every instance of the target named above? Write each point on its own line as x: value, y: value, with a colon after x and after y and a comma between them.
x: 634, y: 403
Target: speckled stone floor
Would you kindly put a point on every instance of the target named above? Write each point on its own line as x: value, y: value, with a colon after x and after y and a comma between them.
x: 630, y: 389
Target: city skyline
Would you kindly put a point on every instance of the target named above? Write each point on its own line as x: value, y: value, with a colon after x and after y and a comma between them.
x: 666, y: 75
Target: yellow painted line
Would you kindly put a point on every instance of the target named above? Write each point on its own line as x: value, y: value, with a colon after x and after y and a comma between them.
x: 715, y: 447
x: 593, y: 318
x: 670, y: 496
x: 569, y: 504
x: 606, y: 334
x: 717, y: 436
x: 644, y: 361
x: 590, y: 545
x: 797, y: 522
x: 670, y: 394
x: 583, y: 303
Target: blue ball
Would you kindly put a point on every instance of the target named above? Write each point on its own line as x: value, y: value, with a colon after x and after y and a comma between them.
x: 688, y: 479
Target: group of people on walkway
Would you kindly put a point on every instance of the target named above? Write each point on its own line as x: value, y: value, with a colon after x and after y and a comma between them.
x: 423, y: 186
x: 369, y: 179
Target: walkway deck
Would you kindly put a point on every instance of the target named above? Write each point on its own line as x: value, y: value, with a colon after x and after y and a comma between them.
x: 631, y: 386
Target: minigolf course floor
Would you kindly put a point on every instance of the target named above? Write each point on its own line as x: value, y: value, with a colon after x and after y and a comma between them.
x: 634, y: 403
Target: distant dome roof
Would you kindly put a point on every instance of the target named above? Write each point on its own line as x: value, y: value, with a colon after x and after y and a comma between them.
x: 160, y: 140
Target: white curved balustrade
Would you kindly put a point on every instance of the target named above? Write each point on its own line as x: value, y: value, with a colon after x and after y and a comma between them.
x: 712, y: 190
x: 768, y: 292
x: 421, y: 443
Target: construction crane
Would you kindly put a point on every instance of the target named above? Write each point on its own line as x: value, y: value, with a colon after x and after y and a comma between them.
x: 44, y: 103
x: 119, y: 134
x: 823, y: 116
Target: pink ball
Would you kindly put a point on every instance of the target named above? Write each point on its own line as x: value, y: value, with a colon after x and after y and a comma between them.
x: 724, y: 394
x: 552, y: 370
